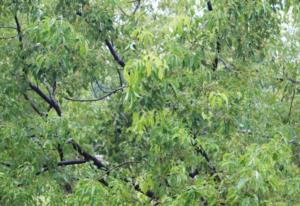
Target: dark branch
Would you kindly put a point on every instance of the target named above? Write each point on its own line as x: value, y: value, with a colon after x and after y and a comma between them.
x: 218, y: 44
x: 113, y: 52
x: 19, y: 30
x: 87, y: 156
x: 64, y: 163
x: 209, y: 6
x: 49, y: 100
x: 99, y: 165
x: 200, y: 150
x: 137, y: 6
x: 149, y: 193
x: 294, y: 81
x: 60, y: 152
x: 216, y: 60
x: 97, y: 99
x: 5, y: 164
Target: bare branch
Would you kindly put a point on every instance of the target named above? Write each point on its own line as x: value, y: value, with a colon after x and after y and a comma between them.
x: 114, y: 53
x: 64, y: 163
x: 97, y: 99
x: 49, y: 100
x: 137, y: 6
x: 87, y: 156
x: 19, y: 30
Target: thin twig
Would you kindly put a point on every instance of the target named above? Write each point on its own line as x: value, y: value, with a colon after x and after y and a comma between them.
x: 33, y: 106
x: 97, y: 99
x: 5, y: 38
x: 122, y: 164
x: 291, y: 104
x: 7, y: 27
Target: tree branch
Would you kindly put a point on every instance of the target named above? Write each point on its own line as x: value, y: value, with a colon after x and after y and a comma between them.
x: 19, y: 30
x: 200, y: 150
x: 218, y: 44
x: 114, y: 53
x: 137, y: 6
x: 209, y: 6
x: 122, y: 164
x: 291, y: 104
x: 87, y: 156
x: 60, y: 152
x: 64, y: 163
x: 97, y: 99
x: 5, y: 38
x: 49, y: 100
x: 8, y: 27
x: 33, y: 106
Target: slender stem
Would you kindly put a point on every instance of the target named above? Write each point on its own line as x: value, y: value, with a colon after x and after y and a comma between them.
x: 291, y: 104
x: 7, y: 27
x: 19, y: 30
x: 97, y: 99
x: 5, y: 38
x: 33, y: 106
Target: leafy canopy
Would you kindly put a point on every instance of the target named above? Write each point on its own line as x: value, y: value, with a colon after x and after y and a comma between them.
x: 118, y: 102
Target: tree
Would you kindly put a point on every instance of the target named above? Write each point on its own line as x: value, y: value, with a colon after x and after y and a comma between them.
x: 116, y: 102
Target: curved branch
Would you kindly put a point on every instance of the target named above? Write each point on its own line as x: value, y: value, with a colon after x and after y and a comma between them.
x: 97, y: 99
x: 122, y: 164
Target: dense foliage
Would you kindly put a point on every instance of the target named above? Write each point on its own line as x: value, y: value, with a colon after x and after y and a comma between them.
x: 166, y: 102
